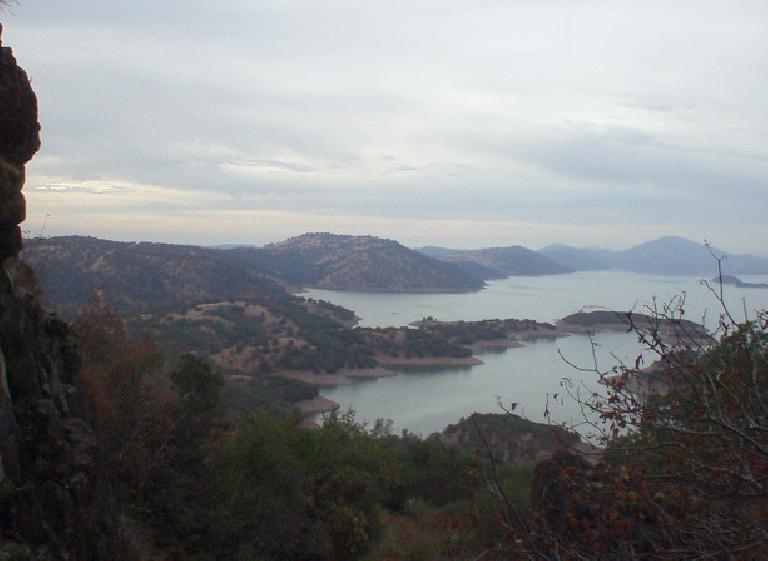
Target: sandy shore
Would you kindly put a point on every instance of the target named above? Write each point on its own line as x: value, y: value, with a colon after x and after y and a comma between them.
x: 428, y: 362
x: 566, y: 327
x: 495, y: 344
x: 342, y: 377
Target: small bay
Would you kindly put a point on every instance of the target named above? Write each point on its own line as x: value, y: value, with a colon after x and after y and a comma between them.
x: 427, y: 401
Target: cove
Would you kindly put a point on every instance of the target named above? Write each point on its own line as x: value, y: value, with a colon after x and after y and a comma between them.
x: 427, y: 401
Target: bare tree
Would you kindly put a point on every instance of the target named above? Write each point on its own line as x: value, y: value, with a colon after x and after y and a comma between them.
x: 684, y: 471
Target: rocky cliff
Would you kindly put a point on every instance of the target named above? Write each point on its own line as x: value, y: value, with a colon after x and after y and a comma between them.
x: 19, y: 140
x: 54, y: 505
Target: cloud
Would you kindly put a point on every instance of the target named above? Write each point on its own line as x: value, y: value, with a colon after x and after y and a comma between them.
x: 533, y: 111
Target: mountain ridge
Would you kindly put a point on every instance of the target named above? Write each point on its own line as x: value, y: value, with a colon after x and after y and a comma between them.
x: 667, y: 255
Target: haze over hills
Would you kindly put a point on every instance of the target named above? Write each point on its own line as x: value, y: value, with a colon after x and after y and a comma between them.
x: 669, y: 255
x: 499, y: 262
x: 574, y: 258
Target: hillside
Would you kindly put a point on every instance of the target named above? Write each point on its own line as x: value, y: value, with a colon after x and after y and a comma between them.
x: 222, y: 304
x: 364, y: 263
x: 140, y: 276
x: 510, y: 437
x: 511, y: 260
x: 196, y: 299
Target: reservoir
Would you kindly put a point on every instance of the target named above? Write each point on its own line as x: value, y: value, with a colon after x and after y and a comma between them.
x: 535, y: 377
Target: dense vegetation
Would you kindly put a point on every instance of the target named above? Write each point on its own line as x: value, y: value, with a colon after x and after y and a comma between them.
x: 213, y: 482
x: 470, y: 332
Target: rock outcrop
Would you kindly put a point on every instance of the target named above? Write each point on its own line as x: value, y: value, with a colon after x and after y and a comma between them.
x: 54, y: 503
x: 508, y: 437
x: 19, y: 140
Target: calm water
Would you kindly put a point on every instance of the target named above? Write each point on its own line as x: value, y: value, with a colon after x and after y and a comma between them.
x: 425, y: 402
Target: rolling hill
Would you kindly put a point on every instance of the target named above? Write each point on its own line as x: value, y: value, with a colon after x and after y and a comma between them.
x: 137, y: 276
x: 364, y: 263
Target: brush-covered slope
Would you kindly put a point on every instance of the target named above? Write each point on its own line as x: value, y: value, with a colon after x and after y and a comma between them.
x: 137, y: 276
x: 332, y: 261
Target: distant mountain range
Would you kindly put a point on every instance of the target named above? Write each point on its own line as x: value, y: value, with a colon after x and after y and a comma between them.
x: 670, y: 255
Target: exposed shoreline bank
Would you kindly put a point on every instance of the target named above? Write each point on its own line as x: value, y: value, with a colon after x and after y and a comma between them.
x: 581, y: 323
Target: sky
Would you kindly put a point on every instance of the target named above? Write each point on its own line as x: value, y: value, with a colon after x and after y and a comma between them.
x: 465, y: 124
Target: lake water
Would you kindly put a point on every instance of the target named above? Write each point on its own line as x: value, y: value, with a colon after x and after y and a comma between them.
x: 425, y: 402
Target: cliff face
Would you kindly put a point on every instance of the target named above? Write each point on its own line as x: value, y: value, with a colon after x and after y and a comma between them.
x: 19, y: 140
x: 52, y: 500
x: 53, y: 503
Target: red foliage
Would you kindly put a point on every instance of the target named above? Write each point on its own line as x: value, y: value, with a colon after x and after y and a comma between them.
x: 132, y: 398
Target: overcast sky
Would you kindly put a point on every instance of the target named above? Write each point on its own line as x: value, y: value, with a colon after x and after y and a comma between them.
x: 464, y: 124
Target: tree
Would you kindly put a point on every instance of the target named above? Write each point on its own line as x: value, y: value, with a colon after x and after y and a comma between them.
x: 132, y: 400
x: 289, y: 493
x: 197, y: 382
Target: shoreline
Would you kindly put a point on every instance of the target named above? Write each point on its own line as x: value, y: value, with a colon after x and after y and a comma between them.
x: 388, y: 366
x: 306, y: 288
x: 342, y: 377
x: 396, y: 363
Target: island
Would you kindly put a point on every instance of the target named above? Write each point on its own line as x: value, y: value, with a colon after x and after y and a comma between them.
x: 734, y: 281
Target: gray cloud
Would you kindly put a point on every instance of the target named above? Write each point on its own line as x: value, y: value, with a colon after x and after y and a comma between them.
x: 543, y: 111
